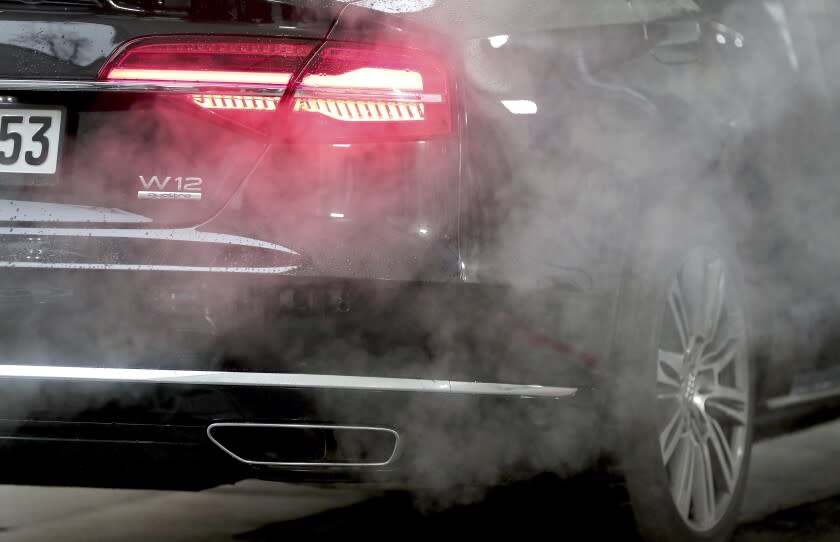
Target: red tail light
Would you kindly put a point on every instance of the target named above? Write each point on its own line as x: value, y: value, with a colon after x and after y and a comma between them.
x: 222, y: 61
x: 353, y: 91
x: 345, y: 92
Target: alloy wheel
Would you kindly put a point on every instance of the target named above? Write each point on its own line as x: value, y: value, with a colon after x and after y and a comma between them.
x: 702, y: 390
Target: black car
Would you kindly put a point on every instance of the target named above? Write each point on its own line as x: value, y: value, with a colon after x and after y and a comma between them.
x: 419, y: 244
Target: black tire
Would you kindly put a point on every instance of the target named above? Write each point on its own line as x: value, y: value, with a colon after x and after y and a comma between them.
x: 665, y: 245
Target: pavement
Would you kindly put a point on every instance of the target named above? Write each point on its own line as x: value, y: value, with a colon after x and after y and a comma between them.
x: 793, y: 493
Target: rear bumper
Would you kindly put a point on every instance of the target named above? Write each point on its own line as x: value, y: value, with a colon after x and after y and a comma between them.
x: 120, y: 390
x: 192, y: 325
x: 83, y: 429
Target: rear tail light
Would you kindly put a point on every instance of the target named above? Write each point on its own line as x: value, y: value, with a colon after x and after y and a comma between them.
x: 353, y: 91
x: 222, y: 61
x: 338, y: 92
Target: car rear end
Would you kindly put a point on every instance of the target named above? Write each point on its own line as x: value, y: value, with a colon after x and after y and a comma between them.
x: 231, y: 243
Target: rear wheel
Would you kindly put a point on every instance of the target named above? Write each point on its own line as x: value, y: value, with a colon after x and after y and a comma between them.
x: 685, y: 383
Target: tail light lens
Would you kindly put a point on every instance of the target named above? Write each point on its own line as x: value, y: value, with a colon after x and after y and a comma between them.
x: 346, y: 92
x: 353, y: 92
x: 223, y: 61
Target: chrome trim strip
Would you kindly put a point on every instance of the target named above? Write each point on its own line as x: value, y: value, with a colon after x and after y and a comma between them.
x: 13, y: 210
x: 285, y: 380
x: 239, y: 88
x: 163, y: 234
x: 306, y: 426
x: 521, y: 390
x: 146, y: 267
x: 138, y: 86
x: 795, y: 399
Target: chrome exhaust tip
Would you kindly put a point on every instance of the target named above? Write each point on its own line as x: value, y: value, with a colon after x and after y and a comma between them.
x: 306, y: 445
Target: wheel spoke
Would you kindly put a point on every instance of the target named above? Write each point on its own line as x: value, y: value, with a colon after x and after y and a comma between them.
x: 730, y: 402
x: 682, y: 482
x: 669, y: 369
x: 670, y: 437
x: 713, y: 299
x: 676, y: 301
x: 704, y: 487
x: 724, y: 354
x: 726, y: 459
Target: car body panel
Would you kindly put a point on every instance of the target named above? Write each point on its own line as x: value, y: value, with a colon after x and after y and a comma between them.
x: 486, y: 263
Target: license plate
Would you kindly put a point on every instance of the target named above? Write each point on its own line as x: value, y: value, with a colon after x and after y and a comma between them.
x: 30, y: 139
